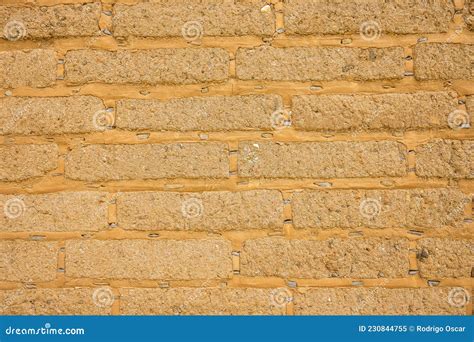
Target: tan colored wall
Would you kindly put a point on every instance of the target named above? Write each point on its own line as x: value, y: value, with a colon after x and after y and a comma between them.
x: 283, y: 163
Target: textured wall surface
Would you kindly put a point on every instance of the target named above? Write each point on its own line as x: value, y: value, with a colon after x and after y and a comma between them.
x: 296, y: 157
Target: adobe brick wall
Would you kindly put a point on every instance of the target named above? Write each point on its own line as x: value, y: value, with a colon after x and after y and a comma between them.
x: 236, y: 157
